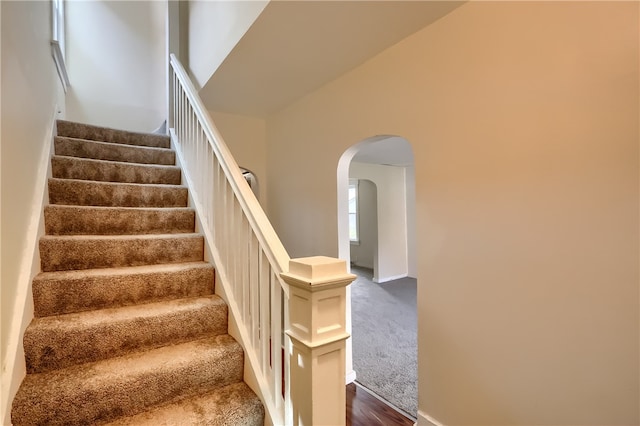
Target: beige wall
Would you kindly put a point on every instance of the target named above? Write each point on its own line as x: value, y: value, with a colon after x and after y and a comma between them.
x: 246, y: 138
x: 214, y: 29
x: 116, y: 56
x: 523, y: 119
x: 30, y: 92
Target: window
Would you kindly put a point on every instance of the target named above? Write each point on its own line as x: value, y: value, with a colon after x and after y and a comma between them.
x: 58, y: 40
x: 354, y: 236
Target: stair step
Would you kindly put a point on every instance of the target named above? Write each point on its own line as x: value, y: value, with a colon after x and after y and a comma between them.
x: 63, y: 253
x: 127, y: 327
x: 127, y: 385
x: 66, y: 292
x: 90, y: 193
x: 82, y: 148
x: 59, y: 341
x: 99, y: 133
x: 113, y: 171
x: 235, y: 404
x: 84, y: 220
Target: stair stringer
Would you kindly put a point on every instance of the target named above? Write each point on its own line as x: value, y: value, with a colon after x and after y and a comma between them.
x: 14, y: 367
x: 235, y: 329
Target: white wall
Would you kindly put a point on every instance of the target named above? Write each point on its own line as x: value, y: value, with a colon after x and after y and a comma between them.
x: 246, y: 138
x: 391, y: 256
x: 523, y: 118
x: 30, y: 92
x: 364, y: 251
x: 412, y: 242
x: 117, y: 62
x: 215, y: 27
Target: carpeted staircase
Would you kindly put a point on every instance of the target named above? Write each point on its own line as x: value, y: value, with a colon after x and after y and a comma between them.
x: 128, y: 330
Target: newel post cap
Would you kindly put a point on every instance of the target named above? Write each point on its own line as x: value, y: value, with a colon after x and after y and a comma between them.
x: 317, y: 272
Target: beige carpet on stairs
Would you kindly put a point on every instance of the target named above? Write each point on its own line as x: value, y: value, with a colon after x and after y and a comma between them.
x: 128, y: 329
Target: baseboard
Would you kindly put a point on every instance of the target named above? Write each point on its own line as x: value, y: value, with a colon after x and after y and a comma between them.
x: 13, y: 365
x: 387, y: 279
x: 162, y: 129
x: 350, y: 377
x: 356, y: 263
x: 426, y: 420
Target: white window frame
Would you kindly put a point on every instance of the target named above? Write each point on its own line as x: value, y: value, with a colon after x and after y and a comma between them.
x: 353, y: 186
x: 58, y: 45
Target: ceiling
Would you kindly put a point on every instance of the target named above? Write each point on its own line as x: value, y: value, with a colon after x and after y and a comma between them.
x: 390, y: 151
x: 295, y: 47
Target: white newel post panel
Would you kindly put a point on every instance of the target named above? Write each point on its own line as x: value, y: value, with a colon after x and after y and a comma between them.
x: 317, y: 318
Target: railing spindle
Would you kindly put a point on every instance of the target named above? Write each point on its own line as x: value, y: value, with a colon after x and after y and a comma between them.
x: 250, y: 260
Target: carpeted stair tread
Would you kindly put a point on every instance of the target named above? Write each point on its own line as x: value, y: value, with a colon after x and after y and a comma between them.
x: 232, y: 405
x: 90, y: 193
x: 67, y: 252
x: 113, y: 171
x: 60, y: 341
x: 83, y: 220
x: 127, y: 385
x: 65, y: 292
x: 72, y: 147
x: 100, y: 133
x: 127, y: 325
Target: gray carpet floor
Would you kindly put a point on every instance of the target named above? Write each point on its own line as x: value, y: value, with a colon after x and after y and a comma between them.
x: 384, y: 331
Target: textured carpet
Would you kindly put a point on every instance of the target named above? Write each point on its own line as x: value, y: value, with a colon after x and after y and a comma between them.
x: 127, y: 327
x: 384, y: 330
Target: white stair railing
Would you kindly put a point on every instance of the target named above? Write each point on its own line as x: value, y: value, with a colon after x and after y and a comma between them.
x: 247, y: 253
x: 255, y: 273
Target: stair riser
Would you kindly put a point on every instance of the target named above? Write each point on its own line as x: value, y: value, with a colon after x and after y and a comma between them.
x: 67, y: 220
x: 113, y: 152
x: 53, y: 295
x: 90, y: 401
x: 86, y: 193
x: 126, y: 316
x: 96, y: 133
x: 50, y: 345
x: 78, y: 168
x: 59, y: 254
x: 235, y: 404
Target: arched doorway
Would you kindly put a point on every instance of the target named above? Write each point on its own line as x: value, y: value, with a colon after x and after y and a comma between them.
x: 382, y: 312
x: 387, y: 161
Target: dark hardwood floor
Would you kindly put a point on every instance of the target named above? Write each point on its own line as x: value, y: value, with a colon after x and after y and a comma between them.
x: 364, y: 409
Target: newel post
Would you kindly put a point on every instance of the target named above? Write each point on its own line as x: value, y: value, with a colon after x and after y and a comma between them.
x: 317, y: 318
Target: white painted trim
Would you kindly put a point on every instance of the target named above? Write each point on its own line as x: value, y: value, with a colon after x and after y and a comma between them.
x: 267, y: 237
x: 344, y: 245
x: 360, y: 265
x: 162, y: 129
x: 13, y: 366
x: 350, y: 377
x: 236, y: 328
x: 426, y: 420
x: 387, y: 279
x: 58, y: 58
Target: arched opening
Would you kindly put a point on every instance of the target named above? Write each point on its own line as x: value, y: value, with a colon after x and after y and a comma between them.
x: 376, y: 188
